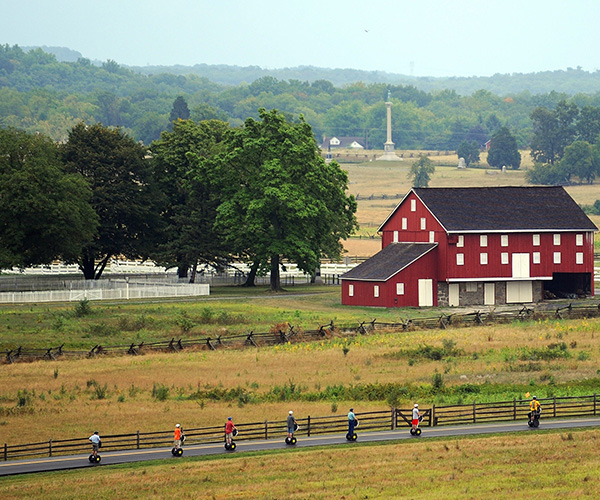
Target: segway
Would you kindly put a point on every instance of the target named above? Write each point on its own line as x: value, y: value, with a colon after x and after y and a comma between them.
x: 94, y: 459
x: 417, y: 431
x: 177, y: 452
x: 292, y: 440
x: 535, y: 422
x: 353, y: 436
x: 231, y: 447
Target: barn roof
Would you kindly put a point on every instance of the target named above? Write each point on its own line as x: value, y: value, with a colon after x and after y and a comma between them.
x: 389, y: 261
x: 495, y: 209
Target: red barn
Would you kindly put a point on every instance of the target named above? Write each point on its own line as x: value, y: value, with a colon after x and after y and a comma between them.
x: 471, y: 246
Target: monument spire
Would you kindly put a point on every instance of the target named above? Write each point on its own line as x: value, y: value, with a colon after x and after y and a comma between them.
x: 388, y: 147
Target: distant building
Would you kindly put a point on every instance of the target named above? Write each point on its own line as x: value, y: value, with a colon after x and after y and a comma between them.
x: 343, y: 143
x: 477, y: 246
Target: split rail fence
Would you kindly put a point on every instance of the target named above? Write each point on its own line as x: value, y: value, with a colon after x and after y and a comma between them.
x: 391, y: 419
x: 293, y: 334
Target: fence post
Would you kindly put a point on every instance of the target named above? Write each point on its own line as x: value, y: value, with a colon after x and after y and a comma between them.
x: 308, y: 426
x: 5, y: 452
x: 554, y: 406
x: 266, y: 429
x: 594, y: 404
x: 474, y: 412
x: 393, y: 419
x: 433, y: 421
x: 514, y: 408
x: 50, y: 448
x: 137, y: 440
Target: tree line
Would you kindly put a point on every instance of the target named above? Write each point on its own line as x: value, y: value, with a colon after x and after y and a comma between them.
x: 40, y: 94
x: 204, y: 193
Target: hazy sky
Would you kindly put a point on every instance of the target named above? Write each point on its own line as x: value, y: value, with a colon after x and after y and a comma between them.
x: 419, y: 37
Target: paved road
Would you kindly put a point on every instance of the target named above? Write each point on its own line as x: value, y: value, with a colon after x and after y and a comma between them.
x: 119, y: 457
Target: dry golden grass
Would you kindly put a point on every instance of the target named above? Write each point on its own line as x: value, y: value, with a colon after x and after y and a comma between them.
x: 65, y: 406
x: 520, y: 466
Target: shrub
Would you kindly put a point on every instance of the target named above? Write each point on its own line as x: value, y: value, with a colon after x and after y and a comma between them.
x: 83, y: 308
x: 160, y: 392
x: 437, y: 381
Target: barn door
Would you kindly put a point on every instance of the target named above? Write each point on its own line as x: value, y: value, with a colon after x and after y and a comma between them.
x: 519, y: 292
x: 453, y: 295
x: 489, y: 294
x: 520, y: 265
x: 425, y: 293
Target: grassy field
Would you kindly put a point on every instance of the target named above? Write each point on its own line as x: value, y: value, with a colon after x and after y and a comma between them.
x: 375, y: 371
x: 540, y: 465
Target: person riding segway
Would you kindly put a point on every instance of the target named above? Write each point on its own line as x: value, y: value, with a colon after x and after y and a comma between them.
x: 352, y: 423
x: 534, y: 414
x: 178, y: 438
x: 292, y: 426
x: 416, y: 418
x: 94, y: 458
x: 230, y: 433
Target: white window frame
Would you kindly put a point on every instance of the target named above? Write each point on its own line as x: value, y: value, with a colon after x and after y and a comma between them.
x: 504, y: 258
x: 536, y: 258
x: 504, y: 240
x: 431, y: 236
x: 399, y: 288
x: 413, y: 205
x: 556, y: 258
x: 461, y: 241
x: 536, y: 240
x: 423, y: 223
x: 404, y: 223
x: 460, y: 259
x: 579, y: 258
x: 579, y: 240
x: 483, y: 240
x: 395, y: 237
x: 376, y: 291
x: 350, y: 290
x: 556, y: 240
x: 471, y: 287
x: 483, y: 258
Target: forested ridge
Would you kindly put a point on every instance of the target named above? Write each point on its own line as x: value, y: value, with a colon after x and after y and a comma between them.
x: 40, y: 94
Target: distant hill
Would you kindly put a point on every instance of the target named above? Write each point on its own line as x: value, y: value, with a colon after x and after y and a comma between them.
x: 63, y: 54
x: 570, y: 81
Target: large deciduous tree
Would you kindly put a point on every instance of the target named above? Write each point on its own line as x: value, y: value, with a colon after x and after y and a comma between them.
x: 503, y: 150
x: 469, y: 150
x: 281, y: 200
x: 46, y: 213
x: 115, y: 169
x: 191, y: 195
x: 421, y: 171
x: 553, y: 131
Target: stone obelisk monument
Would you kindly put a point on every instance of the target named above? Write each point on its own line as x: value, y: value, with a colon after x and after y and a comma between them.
x: 388, y: 147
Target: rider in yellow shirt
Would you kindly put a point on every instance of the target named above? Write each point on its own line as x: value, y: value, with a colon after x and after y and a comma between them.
x: 535, y: 408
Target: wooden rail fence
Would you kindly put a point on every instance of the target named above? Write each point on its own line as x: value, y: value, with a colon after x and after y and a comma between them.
x: 391, y: 419
x: 293, y: 334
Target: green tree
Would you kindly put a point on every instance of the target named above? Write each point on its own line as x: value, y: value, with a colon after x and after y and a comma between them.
x: 503, y: 150
x: 580, y: 160
x: 180, y: 110
x: 421, y: 171
x: 46, y: 213
x: 123, y: 196
x: 191, y: 195
x: 280, y: 199
x: 553, y: 130
x: 469, y: 151
x: 588, y: 124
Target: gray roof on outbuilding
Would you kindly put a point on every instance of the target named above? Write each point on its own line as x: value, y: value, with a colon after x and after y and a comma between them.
x: 389, y: 261
x: 494, y: 209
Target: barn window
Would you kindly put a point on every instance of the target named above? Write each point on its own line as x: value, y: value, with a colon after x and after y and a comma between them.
x: 504, y: 258
x: 535, y: 256
x: 461, y: 241
x: 423, y: 223
x: 579, y: 240
x: 557, y: 257
x: 557, y: 240
x: 579, y: 258
x: 376, y: 291
x: 404, y: 223
x: 399, y: 288
x: 413, y: 205
x: 431, y: 236
x: 350, y: 290
x: 483, y: 240
x: 536, y: 240
x: 460, y: 259
x: 471, y: 286
x: 395, y: 236
x: 504, y: 240
x: 483, y: 259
